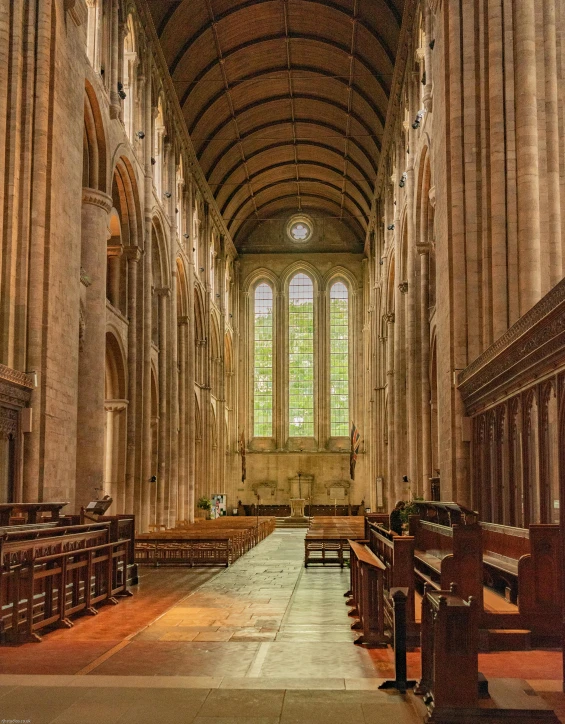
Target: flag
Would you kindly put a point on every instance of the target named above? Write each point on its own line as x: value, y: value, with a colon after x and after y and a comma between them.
x: 242, y: 452
x: 355, y: 443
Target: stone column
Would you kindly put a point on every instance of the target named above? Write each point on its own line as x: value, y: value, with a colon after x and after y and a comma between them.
x: 529, y: 240
x: 183, y: 391
x: 553, y: 145
x: 133, y: 487
x: 114, y: 273
x: 161, y: 512
x: 112, y: 462
x: 390, y: 382
x: 423, y: 251
x: 411, y: 337
x: 143, y: 508
x: 190, y: 365
x: 90, y: 413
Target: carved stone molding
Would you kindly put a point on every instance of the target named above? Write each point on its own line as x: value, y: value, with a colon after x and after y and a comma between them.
x: 389, y: 318
x: 423, y: 248
x: 115, y: 405
x: 162, y: 291
x: 97, y: 198
x: 8, y: 421
x: 132, y: 253
x: 7, y: 374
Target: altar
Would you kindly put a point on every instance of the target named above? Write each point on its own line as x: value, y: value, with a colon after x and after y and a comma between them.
x: 297, y: 507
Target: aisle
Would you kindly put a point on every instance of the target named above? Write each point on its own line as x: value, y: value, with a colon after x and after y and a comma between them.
x: 264, y: 617
x: 263, y: 642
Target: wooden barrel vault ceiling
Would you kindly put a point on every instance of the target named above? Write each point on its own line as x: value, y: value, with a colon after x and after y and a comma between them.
x: 285, y: 101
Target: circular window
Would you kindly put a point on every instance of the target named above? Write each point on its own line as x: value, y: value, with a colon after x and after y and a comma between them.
x: 299, y: 229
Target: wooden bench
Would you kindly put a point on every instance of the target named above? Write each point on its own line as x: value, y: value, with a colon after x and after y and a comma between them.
x: 29, y: 512
x: 397, y: 554
x: 217, y: 542
x: 449, y: 554
x: 46, y: 579
x: 367, y: 595
x: 327, y: 539
x: 526, y: 564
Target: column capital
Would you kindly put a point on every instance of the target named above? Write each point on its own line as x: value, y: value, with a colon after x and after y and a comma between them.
x: 389, y: 317
x: 162, y: 291
x: 132, y: 253
x: 423, y: 247
x: 115, y: 251
x: 97, y: 198
x: 183, y: 320
x: 115, y: 405
x: 403, y: 287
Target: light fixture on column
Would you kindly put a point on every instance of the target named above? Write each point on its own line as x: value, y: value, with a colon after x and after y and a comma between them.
x: 403, y: 178
x: 140, y: 135
x: 121, y: 91
x: 418, y: 120
x: 432, y: 44
x: 185, y: 236
x: 201, y: 268
x: 390, y: 227
x: 167, y: 194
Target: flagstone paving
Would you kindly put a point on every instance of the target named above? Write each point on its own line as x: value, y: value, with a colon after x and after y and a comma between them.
x: 264, y: 641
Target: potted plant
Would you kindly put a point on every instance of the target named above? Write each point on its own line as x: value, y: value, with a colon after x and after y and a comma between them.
x: 204, y: 504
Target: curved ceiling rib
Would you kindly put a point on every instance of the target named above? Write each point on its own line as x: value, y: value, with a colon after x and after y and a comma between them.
x: 282, y: 164
x: 326, y: 4
x: 297, y: 96
x: 320, y: 148
x: 285, y: 101
x: 278, y: 69
x: 305, y: 121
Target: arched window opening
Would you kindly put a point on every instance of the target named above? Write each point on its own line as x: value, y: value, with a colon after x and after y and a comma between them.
x: 263, y: 362
x: 339, y: 360
x: 158, y: 152
x: 93, y: 33
x: 129, y: 77
x: 301, y: 356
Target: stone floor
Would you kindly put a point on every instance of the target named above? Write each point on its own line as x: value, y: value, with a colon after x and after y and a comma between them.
x: 263, y: 641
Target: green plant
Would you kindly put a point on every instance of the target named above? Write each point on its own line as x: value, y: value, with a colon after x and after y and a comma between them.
x: 203, y: 504
x: 411, y: 508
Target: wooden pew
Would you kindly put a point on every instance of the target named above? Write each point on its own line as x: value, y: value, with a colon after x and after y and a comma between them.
x: 444, y: 555
x: 396, y: 552
x: 29, y: 511
x: 526, y: 562
x: 327, y: 539
x: 203, y: 543
x: 366, y: 581
x: 45, y: 579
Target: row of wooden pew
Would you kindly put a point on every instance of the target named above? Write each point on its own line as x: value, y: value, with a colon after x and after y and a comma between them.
x: 50, y: 571
x: 523, y: 565
x: 217, y: 542
x: 327, y: 539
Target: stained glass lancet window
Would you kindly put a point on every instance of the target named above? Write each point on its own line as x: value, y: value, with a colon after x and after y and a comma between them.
x: 301, y: 356
x: 339, y: 360
x: 263, y: 362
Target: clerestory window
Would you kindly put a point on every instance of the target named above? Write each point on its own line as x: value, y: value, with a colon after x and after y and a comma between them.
x: 339, y: 360
x: 263, y: 362
x: 301, y: 356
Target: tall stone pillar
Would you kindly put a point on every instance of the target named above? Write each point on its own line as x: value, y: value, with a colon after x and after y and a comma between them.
x: 115, y: 103
x: 133, y: 487
x: 423, y: 251
x: 90, y: 414
x: 411, y: 338
x: 183, y: 391
x: 529, y: 240
x: 161, y: 512
x: 390, y: 383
